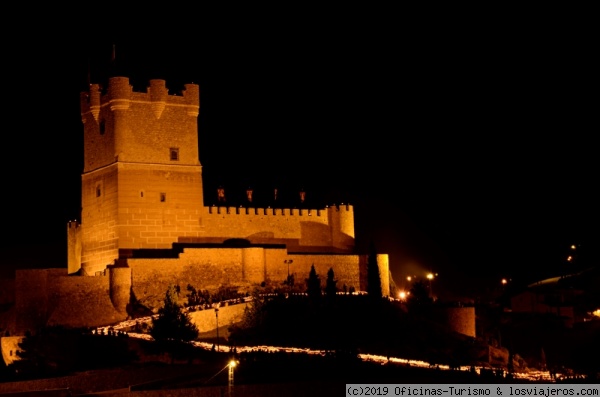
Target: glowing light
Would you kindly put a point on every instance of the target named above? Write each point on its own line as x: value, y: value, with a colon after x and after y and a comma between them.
x: 569, y: 258
x: 596, y: 312
x: 529, y: 375
x: 430, y: 276
x: 232, y: 363
x: 408, y: 278
x: 504, y: 281
x: 402, y: 295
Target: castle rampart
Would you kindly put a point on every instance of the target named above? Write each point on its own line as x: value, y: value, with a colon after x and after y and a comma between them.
x: 383, y: 263
x: 120, y: 287
x: 209, y: 268
x: 74, y: 247
x: 51, y: 297
x: 31, y: 299
x: 459, y: 319
x: 206, y: 320
x: 331, y: 228
x: 10, y: 348
x: 82, y: 302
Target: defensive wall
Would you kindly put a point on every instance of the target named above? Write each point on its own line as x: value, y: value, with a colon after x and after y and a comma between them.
x: 209, y: 268
x: 74, y: 247
x: 461, y: 319
x: 302, y: 230
x: 52, y: 297
x: 331, y: 227
x: 10, y: 346
x: 206, y: 320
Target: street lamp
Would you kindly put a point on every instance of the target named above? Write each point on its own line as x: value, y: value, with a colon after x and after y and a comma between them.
x: 430, y: 277
x: 232, y: 365
x: 217, y: 318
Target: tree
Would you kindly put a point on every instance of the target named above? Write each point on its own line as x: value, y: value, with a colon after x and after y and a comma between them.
x: 373, y: 276
x: 330, y: 284
x: 254, y: 321
x: 419, y: 301
x: 172, y: 324
x: 289, y: 281
x: 313, y: 284
x: 193, y: 297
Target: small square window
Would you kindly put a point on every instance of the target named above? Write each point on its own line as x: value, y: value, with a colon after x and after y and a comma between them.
x: 163, y: 197
x: 174, y: 154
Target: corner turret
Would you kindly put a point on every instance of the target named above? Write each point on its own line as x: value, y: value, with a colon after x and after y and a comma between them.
x: 191, y: 93
x: 158, y: 96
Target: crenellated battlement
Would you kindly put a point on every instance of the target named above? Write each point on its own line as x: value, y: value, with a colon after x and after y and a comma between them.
x: 329, y: 229
x: 267, y: 211
x: 120, y: 95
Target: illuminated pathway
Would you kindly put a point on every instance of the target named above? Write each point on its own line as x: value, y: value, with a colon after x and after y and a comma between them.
x: 532, y: 375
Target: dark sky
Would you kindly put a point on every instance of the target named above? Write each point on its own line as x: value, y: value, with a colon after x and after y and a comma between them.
x: 466, y: 150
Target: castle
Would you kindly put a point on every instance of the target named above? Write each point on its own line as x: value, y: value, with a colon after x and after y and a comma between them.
x: 144, y: 223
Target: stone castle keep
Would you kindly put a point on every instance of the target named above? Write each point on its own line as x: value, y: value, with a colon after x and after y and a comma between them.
x: 144, y: 223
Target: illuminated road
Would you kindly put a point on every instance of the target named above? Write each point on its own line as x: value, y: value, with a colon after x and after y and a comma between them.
x: 531, y: 375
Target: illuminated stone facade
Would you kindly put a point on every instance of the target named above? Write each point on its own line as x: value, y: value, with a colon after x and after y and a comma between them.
x: 144, y: 224
x: 142, y: 185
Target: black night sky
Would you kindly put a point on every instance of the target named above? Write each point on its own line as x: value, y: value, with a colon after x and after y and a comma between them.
x: 468, y: 151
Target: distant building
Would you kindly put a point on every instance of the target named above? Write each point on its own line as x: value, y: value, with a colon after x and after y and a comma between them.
x: 567, y: 297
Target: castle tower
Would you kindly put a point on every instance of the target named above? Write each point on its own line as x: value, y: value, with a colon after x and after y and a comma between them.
x: 142, y: 178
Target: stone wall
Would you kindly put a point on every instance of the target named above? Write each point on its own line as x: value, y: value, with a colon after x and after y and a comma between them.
x: 332, y: 227
x: 152, y: 277
x: 51, y: 297
x: 10, y: 346
x: 206, y: 320
x: 210, y: 268
x: 31, y: 298
x: 345, y: 268
x: 120, y: 287
x: 461, y: 319
x: 99, y: 231
x: 82, y: 302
